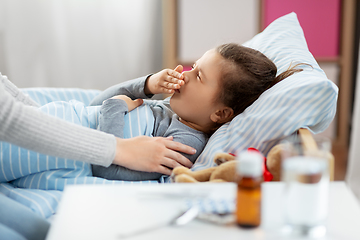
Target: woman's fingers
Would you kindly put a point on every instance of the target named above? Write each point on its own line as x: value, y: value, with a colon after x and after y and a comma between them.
x: 164, y: 170
x: 179, y: 159
x: 179, y: 146
x: 169, y: 164
x: 156, y: 154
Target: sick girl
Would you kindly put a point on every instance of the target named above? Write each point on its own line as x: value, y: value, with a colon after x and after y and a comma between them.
x: 221, y: 85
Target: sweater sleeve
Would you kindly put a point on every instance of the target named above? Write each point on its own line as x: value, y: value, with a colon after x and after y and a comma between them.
x: 29, y: 128
x: 16, y: 93
x: 133, y: 89
x: 111, y: 119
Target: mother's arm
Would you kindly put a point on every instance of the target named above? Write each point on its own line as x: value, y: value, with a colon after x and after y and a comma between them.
x: 29, y: 128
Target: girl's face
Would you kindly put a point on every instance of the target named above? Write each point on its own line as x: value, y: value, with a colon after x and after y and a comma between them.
x: 195, y: 101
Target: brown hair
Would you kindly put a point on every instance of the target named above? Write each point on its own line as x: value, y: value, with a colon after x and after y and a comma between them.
x: 246, y: 74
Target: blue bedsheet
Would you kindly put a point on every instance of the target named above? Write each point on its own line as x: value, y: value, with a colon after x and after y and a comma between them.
x: 36, y: 180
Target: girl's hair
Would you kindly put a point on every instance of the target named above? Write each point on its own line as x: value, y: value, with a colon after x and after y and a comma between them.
x: 246, y: 74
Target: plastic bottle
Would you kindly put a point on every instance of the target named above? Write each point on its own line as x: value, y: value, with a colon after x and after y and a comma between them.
x: 248, y: 206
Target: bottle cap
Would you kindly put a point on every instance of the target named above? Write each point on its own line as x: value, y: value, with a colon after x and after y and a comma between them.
x: 250, y: 164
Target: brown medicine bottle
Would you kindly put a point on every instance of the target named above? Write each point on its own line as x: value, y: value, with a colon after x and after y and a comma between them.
x: 249, y: 178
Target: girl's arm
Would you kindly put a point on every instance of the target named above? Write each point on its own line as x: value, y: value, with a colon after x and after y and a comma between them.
x: 134, y: 89
x: 29, y: 128
x: 111, y: 119
x: 165, y: 81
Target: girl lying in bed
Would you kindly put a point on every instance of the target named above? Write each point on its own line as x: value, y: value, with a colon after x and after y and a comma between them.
x: 223, y: 82
x: 221, y: 85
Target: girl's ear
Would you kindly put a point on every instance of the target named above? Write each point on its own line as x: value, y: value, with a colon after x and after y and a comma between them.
x: 223, y: 115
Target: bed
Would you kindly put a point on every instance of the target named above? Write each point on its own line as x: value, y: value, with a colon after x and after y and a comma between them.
x: 304, y: 100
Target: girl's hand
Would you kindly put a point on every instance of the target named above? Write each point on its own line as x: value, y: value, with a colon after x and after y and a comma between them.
x: 151, y: 154
x: 132, y: 104
x: 165, y: 81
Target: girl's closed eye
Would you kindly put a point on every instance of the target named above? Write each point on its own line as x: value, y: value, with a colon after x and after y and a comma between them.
x: 197, y: 74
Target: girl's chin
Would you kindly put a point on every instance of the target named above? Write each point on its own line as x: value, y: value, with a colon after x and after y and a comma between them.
x: 173, y: 102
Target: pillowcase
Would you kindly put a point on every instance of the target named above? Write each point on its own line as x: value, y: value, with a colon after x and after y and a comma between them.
x: 304, y: 100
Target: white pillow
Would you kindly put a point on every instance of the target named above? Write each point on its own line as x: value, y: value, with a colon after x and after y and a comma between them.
x: 304, y: 100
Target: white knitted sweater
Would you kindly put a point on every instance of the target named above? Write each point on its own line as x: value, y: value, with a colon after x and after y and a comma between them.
x: 22, y: 124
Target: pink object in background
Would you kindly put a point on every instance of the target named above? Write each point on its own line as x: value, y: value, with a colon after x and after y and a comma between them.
x: 187, y: 68
x: 320, y: 20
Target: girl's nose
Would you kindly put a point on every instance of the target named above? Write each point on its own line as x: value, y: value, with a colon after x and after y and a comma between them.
x: 186, y: 77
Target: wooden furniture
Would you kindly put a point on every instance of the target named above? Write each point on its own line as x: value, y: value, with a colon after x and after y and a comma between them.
x: 344, y: 69
x: 310, y: 144
x: 342, y: 58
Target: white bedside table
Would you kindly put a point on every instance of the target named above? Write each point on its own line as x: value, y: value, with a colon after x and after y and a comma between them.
x: 103, y: 212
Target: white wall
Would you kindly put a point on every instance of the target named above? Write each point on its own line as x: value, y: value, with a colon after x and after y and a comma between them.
x: 79, y: 43
x: 205, y: 24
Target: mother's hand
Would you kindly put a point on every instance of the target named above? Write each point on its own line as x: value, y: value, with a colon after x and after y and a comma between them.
x: 151, y: 154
